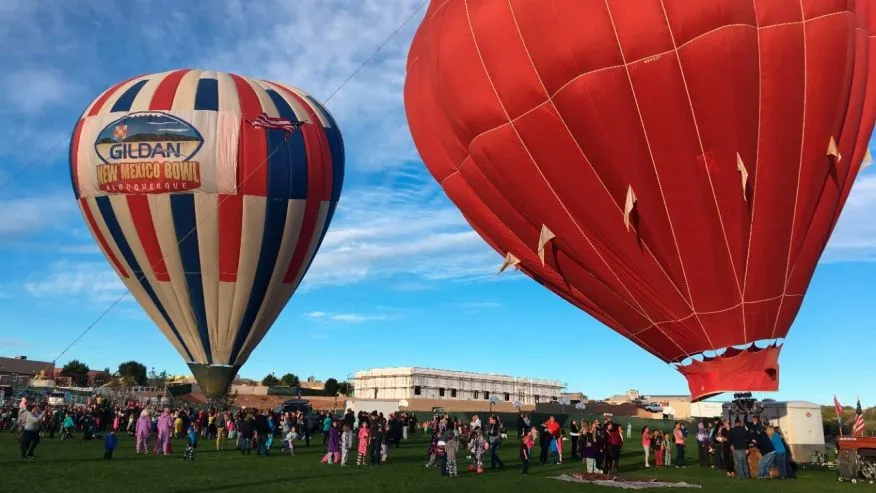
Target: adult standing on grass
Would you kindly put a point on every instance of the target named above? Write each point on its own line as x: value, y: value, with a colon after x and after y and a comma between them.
x: 678, y: 434
x: 739, y: 441
x: 767, y: 453
x: 615, y: 443
x: 573, y: 432
x: 221, y: 426
x: 165, y: 424
x: 142, y: 431
x: 646, y: 444
x: 262, y: 429
x: 495, y: 438
x: 553, y: 427
x: 29, y: 422
x: 781, y: 460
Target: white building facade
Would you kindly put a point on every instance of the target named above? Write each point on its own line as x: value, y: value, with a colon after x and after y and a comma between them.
x: 429, y: 383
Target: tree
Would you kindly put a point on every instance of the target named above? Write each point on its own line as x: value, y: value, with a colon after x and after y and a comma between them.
x: 157, y: 380
x: 133, y: 373
x: 345, y: 388
x: 290, y: 380
x: 270, y: 381
x: 77, y: 371
x: 331, y: 387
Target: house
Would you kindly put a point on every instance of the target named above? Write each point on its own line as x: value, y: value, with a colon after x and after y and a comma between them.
x: 20, y: 366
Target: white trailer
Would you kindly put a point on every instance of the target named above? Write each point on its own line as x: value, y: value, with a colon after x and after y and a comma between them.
x: 368, y: 405
x: 801, y: 424
x: 706, y: 409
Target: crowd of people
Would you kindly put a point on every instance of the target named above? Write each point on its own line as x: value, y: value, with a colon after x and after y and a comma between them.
x: 725, y: 447
x: 721, y: 445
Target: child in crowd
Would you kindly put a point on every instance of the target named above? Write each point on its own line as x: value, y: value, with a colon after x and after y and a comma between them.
x: 109, y: 444
x: 384, y: 444
x: 451, y: 448
x: 432, y: 452
x: 477, y: 447
x: 657, y: 444
x: 525, y: 446
x: 668, y: 447
x: 442, y: 457
x: 588, y: 449
x: 192, y: 444
x: 346, y: 438
x: 553, y: 451
x: 68, y: 425
x: 291, y: 436
x: 364, y: 437
x: 333, y: 445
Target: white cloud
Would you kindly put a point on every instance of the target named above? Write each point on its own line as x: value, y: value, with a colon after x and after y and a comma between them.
x: 350, y: 318
x: 12, y: 343
x: 276, y: 40
x: 854, y: 238
x: 408, y: 235
x: 92, y: 280
x: 481, y: 304
x: 30, y: 90
x: 24, y: 215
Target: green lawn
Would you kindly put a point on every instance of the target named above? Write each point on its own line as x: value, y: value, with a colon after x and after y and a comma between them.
x: 74, y: 464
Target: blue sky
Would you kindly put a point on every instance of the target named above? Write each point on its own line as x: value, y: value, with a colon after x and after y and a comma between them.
x: 400, y: 280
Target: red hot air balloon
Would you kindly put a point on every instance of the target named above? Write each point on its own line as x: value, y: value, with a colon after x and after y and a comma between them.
x: 209, y: 193
x: 673, y: 167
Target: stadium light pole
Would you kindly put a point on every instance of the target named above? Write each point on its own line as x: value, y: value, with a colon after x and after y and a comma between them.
x: 493, y: 400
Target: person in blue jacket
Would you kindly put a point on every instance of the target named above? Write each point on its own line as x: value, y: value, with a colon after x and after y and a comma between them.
x: 110, y: 440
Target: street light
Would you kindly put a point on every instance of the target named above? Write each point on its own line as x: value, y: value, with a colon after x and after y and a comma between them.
x: 563, y: 401
x: 493, y: 400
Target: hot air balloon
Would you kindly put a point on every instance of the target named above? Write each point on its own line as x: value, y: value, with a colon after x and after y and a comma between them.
x: 209, y: 193
x: 674, y: 168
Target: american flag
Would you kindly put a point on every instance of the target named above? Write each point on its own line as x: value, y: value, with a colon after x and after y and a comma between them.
x: 838, y: 408
x: 858, y: 429
x: 265, y: 121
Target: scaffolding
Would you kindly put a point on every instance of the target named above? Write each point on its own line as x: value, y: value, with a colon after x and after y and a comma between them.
x: 432, y: 383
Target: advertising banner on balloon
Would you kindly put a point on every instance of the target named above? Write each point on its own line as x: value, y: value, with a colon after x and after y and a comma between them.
x: 155, y: 152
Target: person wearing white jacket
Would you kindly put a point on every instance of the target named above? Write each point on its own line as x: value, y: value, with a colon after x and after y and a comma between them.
x: 29, y: 422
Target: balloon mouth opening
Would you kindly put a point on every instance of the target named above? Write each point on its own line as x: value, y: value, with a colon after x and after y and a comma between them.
x: 754, y: 367
x: 214, y: 380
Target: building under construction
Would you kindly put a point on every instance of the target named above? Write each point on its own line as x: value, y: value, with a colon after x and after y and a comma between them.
x: 413, y: 383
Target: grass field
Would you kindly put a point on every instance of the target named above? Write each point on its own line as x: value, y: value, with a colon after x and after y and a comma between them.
x: 75, y: 465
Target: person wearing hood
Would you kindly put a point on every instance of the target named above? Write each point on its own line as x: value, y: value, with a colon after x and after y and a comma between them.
x: 142, y: 432
x: 165, y: 424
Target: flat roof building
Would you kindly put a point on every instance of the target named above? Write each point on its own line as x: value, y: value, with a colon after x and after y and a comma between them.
x: 429, y: 383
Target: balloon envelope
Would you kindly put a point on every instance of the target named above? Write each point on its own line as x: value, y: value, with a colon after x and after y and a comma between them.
x: 209, y: 193
x: 673, y: 167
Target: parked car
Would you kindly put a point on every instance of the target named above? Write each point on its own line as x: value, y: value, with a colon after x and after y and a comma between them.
x: 654, y: 407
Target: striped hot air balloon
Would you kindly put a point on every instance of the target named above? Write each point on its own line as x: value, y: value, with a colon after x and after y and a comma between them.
x: 209, y: 193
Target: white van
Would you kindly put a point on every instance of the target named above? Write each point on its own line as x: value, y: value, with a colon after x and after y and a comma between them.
x: 57, y: 399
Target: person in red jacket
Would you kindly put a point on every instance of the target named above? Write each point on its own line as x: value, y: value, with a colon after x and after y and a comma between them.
x: 553, y: 427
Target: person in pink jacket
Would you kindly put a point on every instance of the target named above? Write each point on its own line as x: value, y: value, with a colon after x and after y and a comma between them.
x: 165, y: 424
x: 142, y: 432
